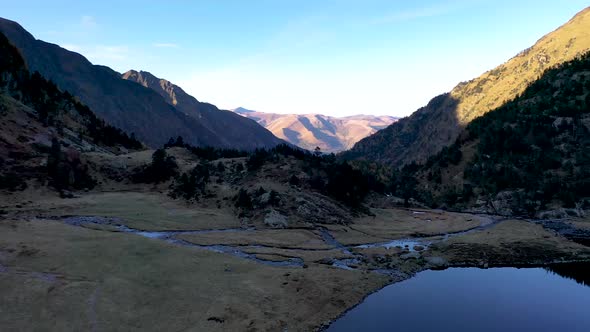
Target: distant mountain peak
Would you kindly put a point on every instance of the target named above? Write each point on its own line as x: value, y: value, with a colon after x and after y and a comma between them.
x: 241, y: 110
x: 308, y: 131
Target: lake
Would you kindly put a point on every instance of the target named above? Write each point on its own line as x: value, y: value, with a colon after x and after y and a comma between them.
x: 556, y: 298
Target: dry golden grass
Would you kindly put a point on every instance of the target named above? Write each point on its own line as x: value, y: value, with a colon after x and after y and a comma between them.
x: 398, y: 223
x: 59, y: 277
x: 284, y: 238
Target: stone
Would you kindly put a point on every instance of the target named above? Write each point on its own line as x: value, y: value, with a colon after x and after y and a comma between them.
x: 410, y: 255
x: 264, y: 198
x: 436, y: 261
x: 275, y: 219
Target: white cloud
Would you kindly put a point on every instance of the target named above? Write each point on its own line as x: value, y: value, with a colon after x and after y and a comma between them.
x: 165, y: 45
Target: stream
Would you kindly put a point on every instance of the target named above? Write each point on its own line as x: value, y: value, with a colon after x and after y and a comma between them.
x: 171, y: 237
x: 412, y: 244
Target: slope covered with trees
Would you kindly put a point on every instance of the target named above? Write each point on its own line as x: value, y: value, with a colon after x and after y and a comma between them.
x: 43, y: 130
x: 531, y: 154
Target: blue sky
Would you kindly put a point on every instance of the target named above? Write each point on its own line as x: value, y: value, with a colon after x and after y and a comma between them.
x: 337, y: 57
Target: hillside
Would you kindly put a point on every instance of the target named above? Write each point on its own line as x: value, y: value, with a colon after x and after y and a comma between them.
x: 439, y: 123
x: 331, y: 134
x: 232, y: 130
x: 125, y: 104
x: 43, y: 131
x: 529, y: 155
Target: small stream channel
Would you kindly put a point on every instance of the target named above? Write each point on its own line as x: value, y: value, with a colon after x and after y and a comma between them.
x: 421, y: 243
x: 171, y: 237
x: 408, y: 244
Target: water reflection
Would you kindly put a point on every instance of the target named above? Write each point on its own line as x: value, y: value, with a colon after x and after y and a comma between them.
x: 471, y: 299
x: 574, y: 271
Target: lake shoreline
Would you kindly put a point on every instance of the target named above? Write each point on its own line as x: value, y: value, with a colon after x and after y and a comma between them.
x: 325, y: 327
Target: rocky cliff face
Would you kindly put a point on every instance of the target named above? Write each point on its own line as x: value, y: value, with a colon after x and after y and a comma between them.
x: 331, y: 134
x: 438, y: 124
x: 124, y: 103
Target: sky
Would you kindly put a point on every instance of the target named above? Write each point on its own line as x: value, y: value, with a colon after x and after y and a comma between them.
x: 334, y: 57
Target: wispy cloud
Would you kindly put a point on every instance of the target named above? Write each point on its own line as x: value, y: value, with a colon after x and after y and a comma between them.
x: 165, y: 45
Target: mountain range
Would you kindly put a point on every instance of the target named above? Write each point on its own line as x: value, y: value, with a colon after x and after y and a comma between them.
x: 329, y: 133
x: 439, y: 123
x: 152, y: 115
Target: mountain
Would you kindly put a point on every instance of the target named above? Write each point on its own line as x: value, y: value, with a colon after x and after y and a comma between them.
x: 231, y: 129
x: 331, y: 134
x: 131, y: 106
x: 529, y: 155
x: 38, y: 121
x: 439, y: 123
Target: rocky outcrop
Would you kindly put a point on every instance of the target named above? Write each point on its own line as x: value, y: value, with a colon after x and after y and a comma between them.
x: 275, y: 219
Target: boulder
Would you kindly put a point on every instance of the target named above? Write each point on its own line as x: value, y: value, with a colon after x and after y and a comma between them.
x: 410, y: 255
x: 275, y: 219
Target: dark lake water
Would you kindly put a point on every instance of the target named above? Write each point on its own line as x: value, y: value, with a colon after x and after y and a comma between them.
x: 471, y: 299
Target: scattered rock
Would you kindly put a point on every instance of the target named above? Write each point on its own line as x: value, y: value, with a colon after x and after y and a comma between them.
x: 264, y: 198
x: 418, y: 248
x: 561, y: 121
x: 275, y: 220
x: 562, y: 213
x: 216, y: 319
x: 66, y: 194
x: 436, y: 261
x: 410, y: 255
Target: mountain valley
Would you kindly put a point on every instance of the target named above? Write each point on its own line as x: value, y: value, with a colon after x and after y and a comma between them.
x: 128, y: 204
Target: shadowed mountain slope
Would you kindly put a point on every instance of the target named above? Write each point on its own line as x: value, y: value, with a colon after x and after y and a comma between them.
x: 37, y: 121
x: 123, y: 103
x: 231, y: 129
x: 529, y: 155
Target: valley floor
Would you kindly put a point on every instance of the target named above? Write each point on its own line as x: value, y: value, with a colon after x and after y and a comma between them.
x: 120, y: 261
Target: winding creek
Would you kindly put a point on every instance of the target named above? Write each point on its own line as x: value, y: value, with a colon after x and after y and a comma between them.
x: 171, y: 237
x: 412, y: 244
x: 409, y: 244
